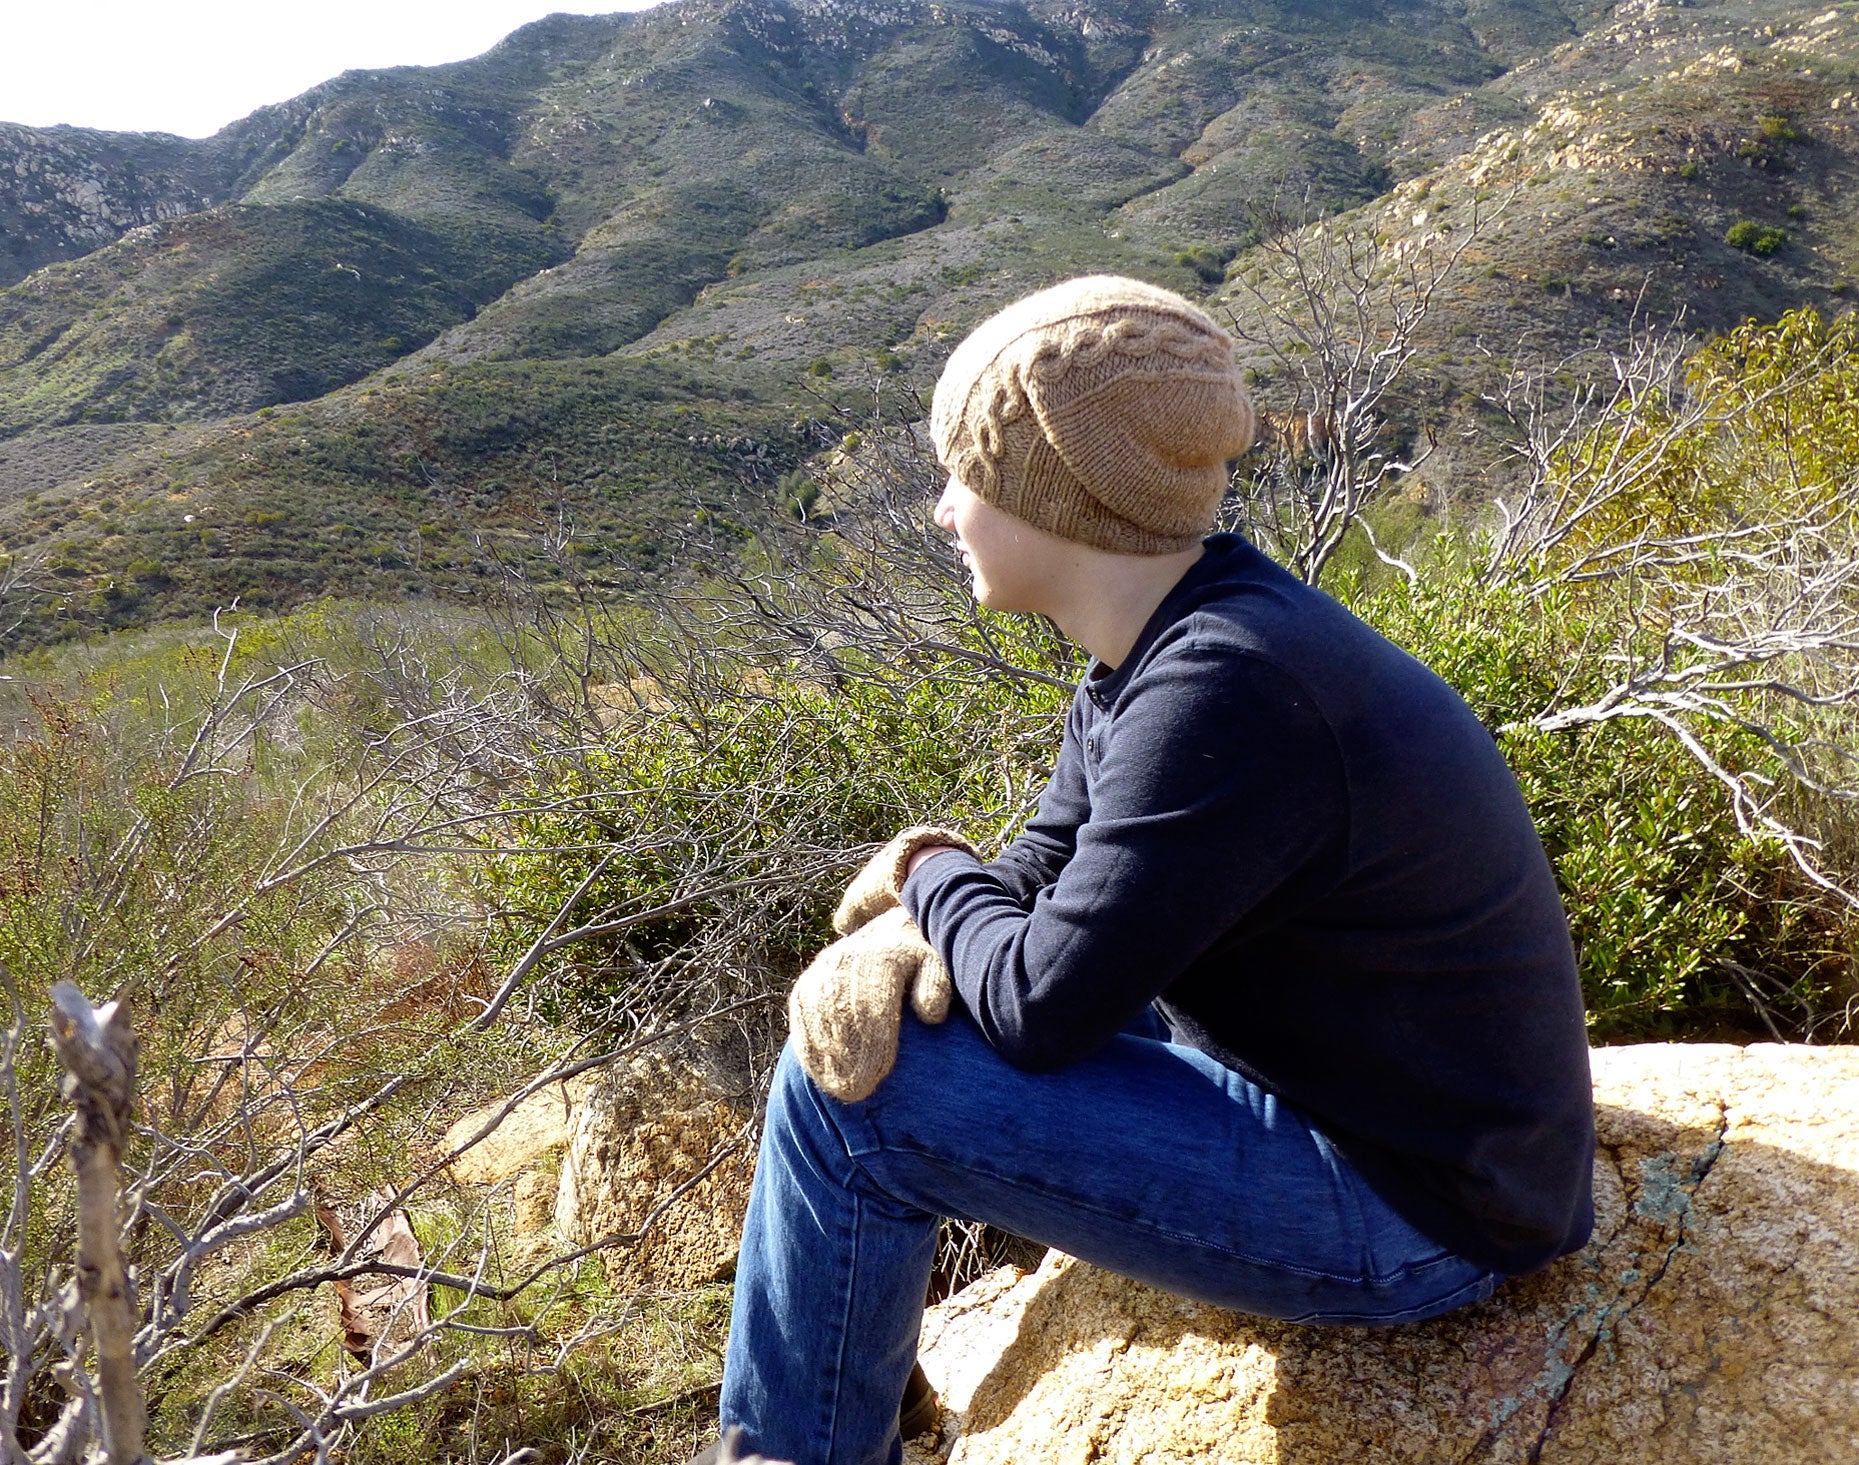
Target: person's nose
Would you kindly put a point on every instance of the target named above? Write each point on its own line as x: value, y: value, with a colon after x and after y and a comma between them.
x: 944, y: 512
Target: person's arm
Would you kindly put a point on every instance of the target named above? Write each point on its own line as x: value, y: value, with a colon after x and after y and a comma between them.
x: 1219, y: 782
x: 1033, y: 859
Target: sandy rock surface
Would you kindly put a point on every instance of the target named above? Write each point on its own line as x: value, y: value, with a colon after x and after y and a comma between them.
x: 1714, y: 1319
x: 658, y: 1147
x: 505, y: 1139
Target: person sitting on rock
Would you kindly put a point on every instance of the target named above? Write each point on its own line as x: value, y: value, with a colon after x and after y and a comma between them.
x: 1272, y: 1002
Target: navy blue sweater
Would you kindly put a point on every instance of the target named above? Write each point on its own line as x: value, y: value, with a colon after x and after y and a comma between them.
x: 1304, y: 847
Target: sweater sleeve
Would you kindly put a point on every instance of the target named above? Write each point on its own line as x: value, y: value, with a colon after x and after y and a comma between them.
x: 1215, y: 782
x: 1033, y: 860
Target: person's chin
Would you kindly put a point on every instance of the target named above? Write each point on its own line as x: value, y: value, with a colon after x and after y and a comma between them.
x: 995, y: 598
x: 994, y: 594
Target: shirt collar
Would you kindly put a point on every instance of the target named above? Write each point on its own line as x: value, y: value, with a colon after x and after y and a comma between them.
x: 1218, y: 555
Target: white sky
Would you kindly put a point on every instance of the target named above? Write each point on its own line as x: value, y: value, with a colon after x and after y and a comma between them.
x: 192, y: 66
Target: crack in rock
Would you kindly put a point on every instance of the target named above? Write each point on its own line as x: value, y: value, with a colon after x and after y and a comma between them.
x: 1673, y: 1200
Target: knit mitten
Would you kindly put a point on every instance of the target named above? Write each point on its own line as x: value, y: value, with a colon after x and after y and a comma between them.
x: 876, y: 887
x: 844, y: 1011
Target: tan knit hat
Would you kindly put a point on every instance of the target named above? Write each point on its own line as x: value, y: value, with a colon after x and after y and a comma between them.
x: 1102, y: 410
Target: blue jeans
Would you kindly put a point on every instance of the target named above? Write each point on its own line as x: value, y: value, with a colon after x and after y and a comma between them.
x: 1147, y: 1158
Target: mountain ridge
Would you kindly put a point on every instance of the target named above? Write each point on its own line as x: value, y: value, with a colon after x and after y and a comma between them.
x: 769, y: 201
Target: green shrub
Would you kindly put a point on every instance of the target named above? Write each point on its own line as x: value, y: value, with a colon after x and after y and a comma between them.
x: 1208, y: 263
x: 1754, y: 238
x: 710, y: 828
x: 797, y: 494
x: 1666, y: 897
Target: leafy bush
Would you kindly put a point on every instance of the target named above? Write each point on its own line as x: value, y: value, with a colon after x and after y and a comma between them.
x: 1675, y: 582
x: 714, y: 825
x: 1673, y: 910
x: 1754, y: 238
x: 797, y: 494
x: 1209, y: 264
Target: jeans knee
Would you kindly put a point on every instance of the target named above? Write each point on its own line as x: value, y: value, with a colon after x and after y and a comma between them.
x: 796, y: 1104
x: 791, y: 1086
x: 929, y: 1058
x: 805, y: 1130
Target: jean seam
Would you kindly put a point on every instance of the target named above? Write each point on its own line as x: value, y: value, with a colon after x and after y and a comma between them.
x: 1476, y: 1290
x: 845, y: 1331
x: 1137, y: 1223
x: 1344, y: 1176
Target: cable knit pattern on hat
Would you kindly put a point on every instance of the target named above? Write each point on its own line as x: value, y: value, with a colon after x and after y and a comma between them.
x: 1103, y: 410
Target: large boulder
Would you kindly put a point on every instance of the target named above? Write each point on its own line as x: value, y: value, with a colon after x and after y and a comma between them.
x: 1714, y: 1319
x: 658, y: 1165
x: 647, y: 1159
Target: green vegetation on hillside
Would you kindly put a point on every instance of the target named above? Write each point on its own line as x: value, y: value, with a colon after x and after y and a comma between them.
x: 1763, y: 239
x: 240, y: 308
x: 427, y: 483
x: 757, y: 189
x: 1678, y: 917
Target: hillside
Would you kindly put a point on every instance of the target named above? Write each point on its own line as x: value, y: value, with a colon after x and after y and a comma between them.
x: 620, y: 271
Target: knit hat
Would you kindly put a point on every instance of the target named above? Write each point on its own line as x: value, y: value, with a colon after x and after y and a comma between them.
x: 1102, y: 410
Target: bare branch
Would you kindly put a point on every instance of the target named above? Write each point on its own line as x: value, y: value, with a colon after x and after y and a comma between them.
x: 98, y: 1050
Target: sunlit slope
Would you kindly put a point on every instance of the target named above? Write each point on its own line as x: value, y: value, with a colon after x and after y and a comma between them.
x: 771, y: 204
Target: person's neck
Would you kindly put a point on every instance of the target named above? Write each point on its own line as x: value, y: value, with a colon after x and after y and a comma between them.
x: 1107, y: 599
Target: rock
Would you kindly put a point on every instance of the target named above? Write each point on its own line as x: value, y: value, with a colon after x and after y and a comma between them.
x: 1710, y: 1322
x: 659, y: 1144
x: 514, y: 1159
x: 538, y: 1124
x: 663, y: 1146
x: 65, y: 191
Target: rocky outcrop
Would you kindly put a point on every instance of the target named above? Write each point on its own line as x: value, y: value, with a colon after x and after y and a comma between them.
x: 65, y: 191
x: 650, y: 1159
x: 659, y: 1158
x: 1710, y: 1322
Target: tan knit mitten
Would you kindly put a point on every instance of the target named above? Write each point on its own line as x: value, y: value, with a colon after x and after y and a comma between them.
x: 876, y: 887
x: 844, y: 1011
